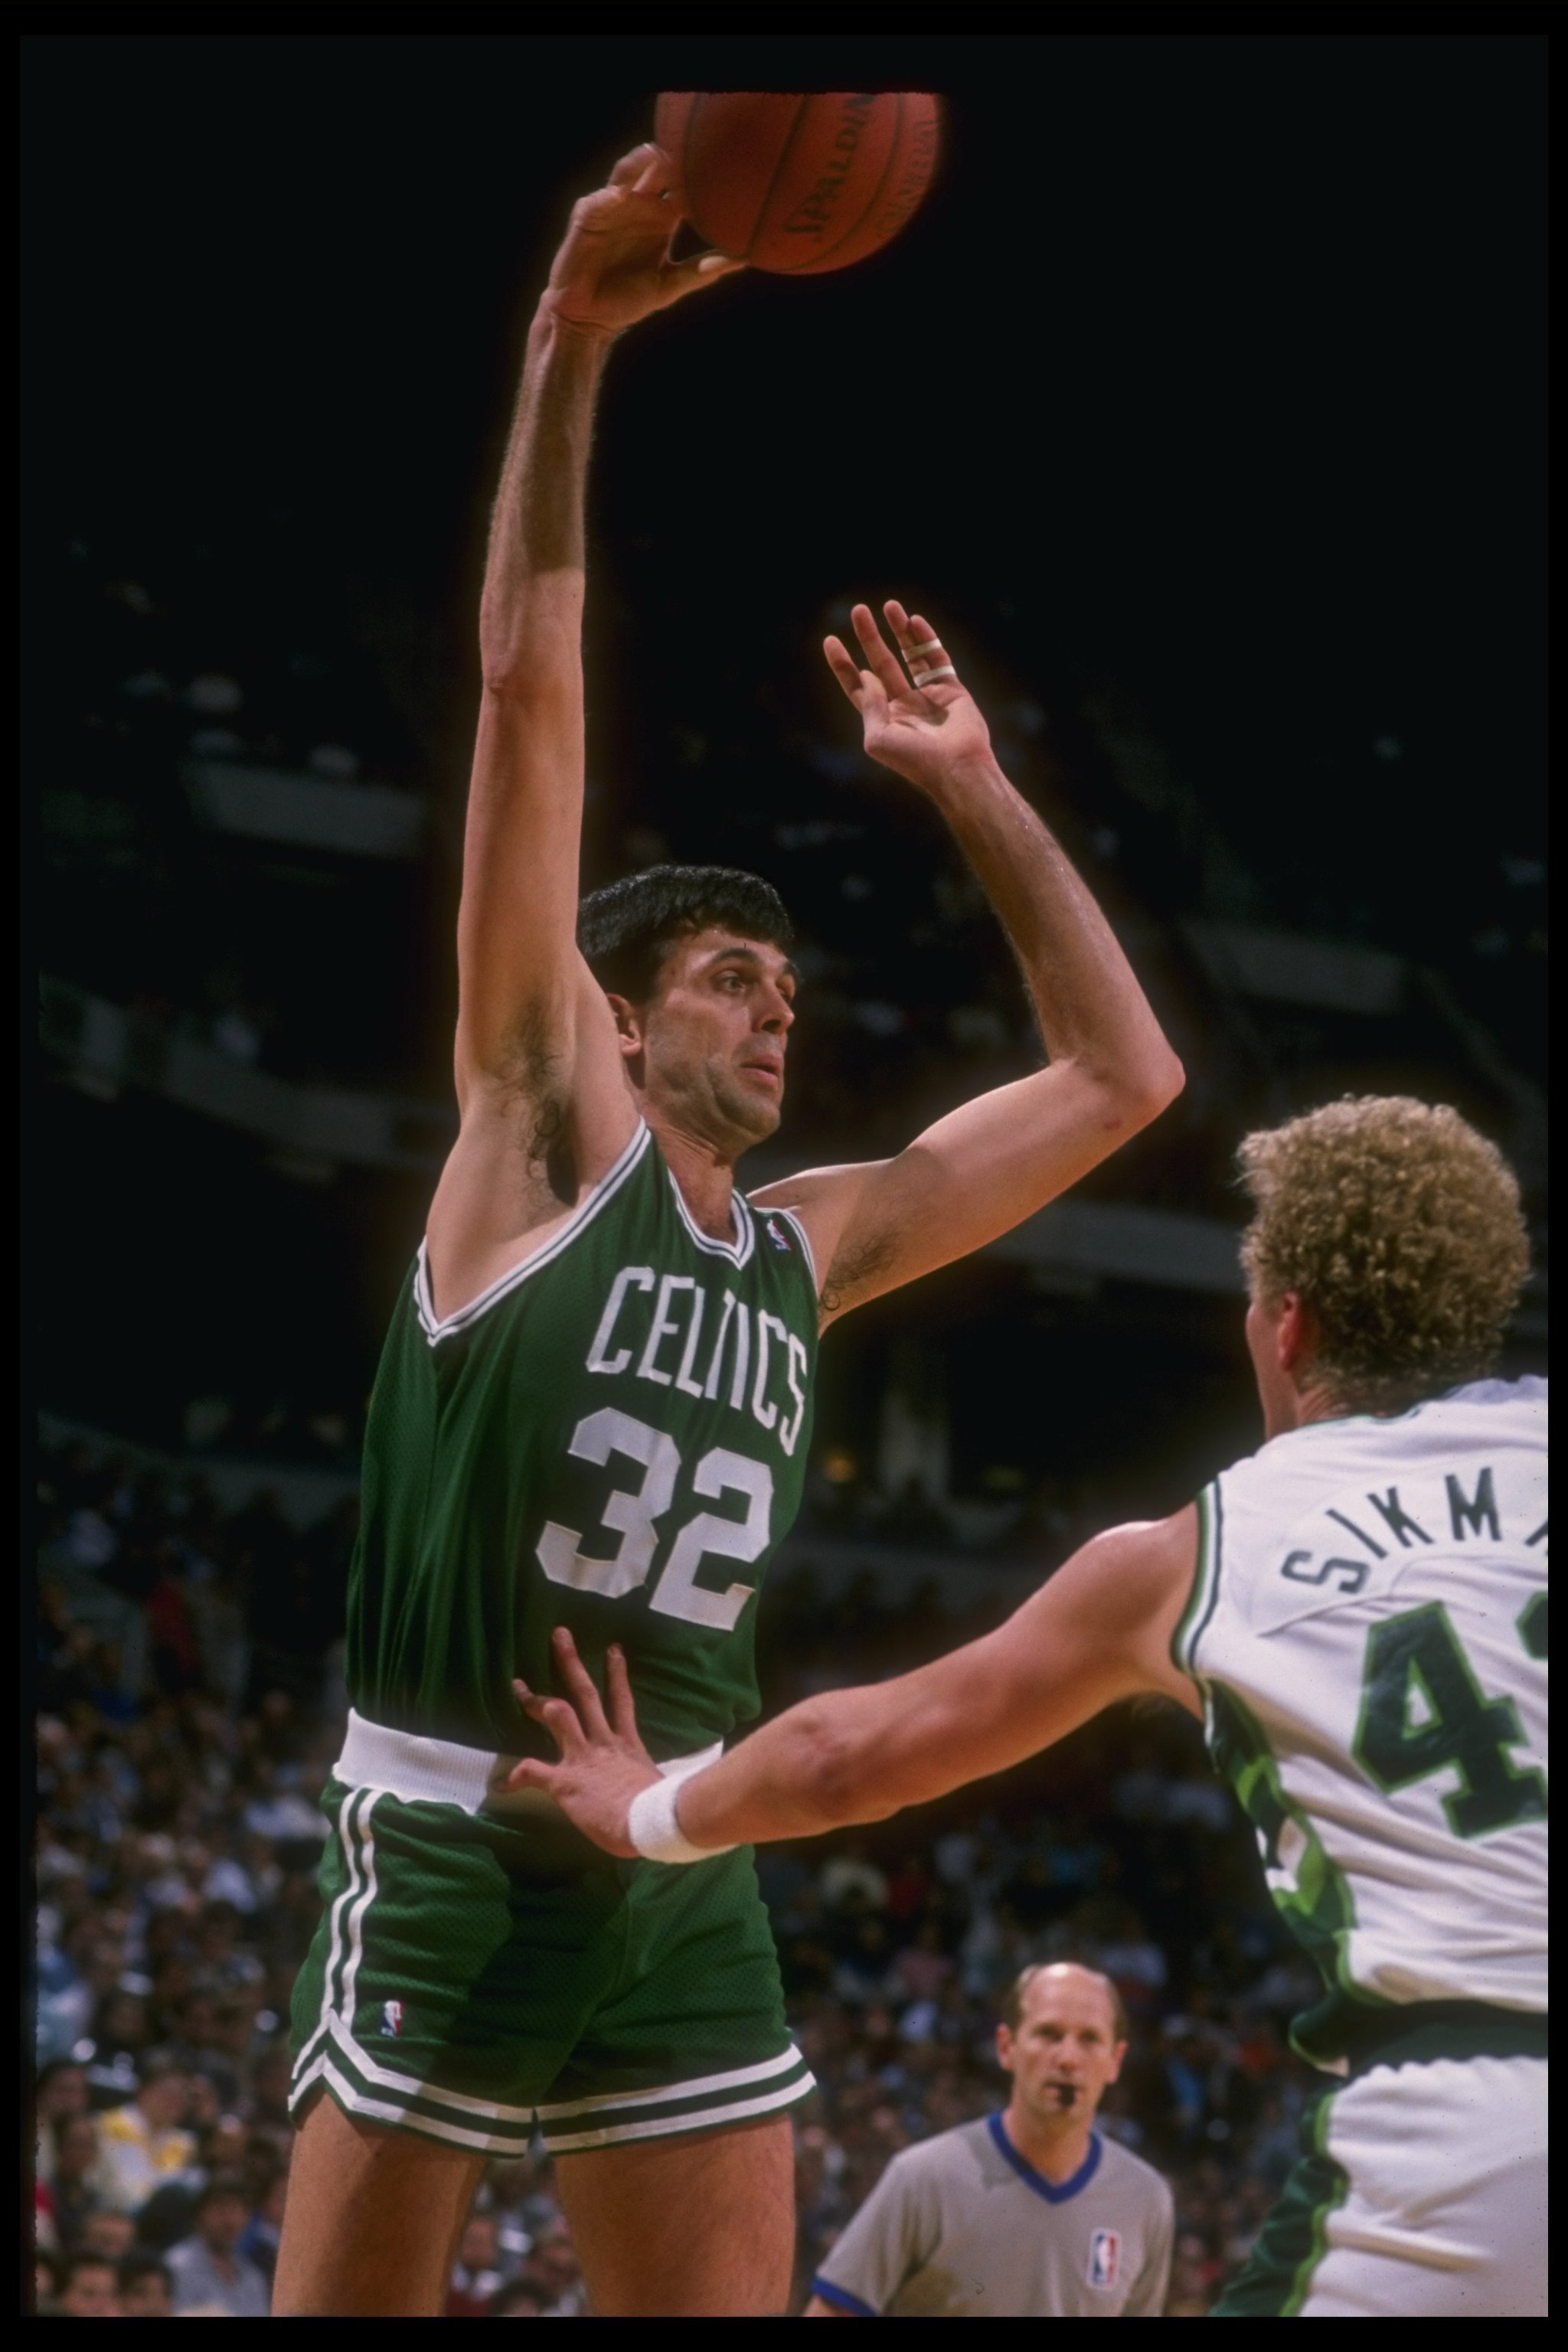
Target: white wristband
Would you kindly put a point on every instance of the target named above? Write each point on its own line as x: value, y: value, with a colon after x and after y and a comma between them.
x: 654, y: 1829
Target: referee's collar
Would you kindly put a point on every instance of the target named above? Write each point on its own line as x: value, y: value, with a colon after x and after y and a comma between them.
x: 1054, y: 2192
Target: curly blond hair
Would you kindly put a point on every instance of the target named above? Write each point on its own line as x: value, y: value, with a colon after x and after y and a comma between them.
x: 1401, y: 1227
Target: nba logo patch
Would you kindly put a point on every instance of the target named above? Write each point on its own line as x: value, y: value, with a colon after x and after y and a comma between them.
x: 1104, y: 2257
x: 776, y: 1234
x: 392, y: 2017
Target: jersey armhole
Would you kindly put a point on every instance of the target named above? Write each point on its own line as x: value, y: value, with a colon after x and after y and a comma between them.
x: 806, y: 1251
x: 1204, y: 1592
x: 437, y: 1328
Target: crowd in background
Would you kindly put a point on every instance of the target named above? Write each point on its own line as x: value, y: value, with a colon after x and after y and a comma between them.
x: 190, y: 1707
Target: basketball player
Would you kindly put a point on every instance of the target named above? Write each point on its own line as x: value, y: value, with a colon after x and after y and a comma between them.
x: 1357, y: 1613
x: 593, y: 1407
x: 1027, y: 2214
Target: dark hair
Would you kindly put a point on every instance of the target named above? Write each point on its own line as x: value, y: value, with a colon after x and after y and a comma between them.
x: 222, y: 2184
x: 67, y: 2266
x: 503, y: 2304
x: 141, y: 2265
x: 627, y: 928
x: 47, y: 2072
x: 153, y: 2065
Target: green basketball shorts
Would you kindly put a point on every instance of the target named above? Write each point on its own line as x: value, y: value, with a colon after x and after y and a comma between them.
x: 474, y: 1979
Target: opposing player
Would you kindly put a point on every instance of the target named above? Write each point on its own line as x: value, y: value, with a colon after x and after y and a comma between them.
x: 1358, y: 1614
x: 593, y: 1407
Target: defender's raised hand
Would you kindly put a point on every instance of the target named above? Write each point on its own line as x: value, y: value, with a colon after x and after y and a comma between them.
x: 603, y: 1762
x: 920, y: 725
x: 614, y: 265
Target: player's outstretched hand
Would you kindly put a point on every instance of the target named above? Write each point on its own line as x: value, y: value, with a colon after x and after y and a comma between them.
x: 920, y: 725
x: 603, y: 1762
x: 614, y: 265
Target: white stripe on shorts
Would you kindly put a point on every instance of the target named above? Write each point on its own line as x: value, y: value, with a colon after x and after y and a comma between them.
x: 666, y: 2126
x: 695, y: 2088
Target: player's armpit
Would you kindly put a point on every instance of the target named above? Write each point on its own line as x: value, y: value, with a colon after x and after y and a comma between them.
x: 1099, y: 1631
x: 529, y: 1152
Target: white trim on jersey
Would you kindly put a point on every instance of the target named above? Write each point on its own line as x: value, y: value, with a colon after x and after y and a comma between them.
x: 738, y: 1251
x: 436, y: 1328
x: 790, y: 1218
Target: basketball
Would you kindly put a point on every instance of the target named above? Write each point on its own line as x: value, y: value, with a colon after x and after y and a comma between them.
x: 796, y: 182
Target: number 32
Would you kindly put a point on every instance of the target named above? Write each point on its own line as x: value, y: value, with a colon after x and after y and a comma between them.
x: 634, y: 1517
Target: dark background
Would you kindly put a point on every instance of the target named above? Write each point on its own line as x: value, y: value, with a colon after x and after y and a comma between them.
x: 1205, y: 392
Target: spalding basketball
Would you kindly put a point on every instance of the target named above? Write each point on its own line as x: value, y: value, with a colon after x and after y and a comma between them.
x: 795, y: 183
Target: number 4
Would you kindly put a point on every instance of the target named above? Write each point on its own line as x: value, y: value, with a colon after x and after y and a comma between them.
x: 1417, y: 1654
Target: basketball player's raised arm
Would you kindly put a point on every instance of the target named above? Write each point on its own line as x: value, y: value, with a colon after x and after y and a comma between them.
x: 1099, y: 1631
x: 535, y: 1054
x: 986, y: 1167
x: 518, y: 974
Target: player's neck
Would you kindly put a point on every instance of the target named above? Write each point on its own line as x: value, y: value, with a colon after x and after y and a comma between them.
x: 704, y: 1171
x: 1056, y: 2148
x: 1301, y: 1408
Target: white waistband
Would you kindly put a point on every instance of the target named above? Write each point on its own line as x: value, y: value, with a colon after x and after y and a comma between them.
x: 439, y: 1771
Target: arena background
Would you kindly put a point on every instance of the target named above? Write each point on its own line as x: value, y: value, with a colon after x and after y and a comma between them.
x: 1202, y: 409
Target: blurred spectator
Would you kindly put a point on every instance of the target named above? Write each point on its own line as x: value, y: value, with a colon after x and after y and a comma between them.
x: 520, y: 2300
x: 89, y: 2289
x: 266, y: 2176
x: 61, y: 2093
x: 67, y: 2197
x: 108, y: 2234
x: 144, y: 2288
x: 143, y: 2144
x: 207, y: 2269
x: 552, y: 2271
x: 476, y: 2277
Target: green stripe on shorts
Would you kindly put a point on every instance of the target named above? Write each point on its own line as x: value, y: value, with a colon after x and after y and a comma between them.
x: 1276, y: 2277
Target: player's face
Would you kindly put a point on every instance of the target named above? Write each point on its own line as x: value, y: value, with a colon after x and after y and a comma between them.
x: 712, y: 1039
x: 1064, y: 2051
x: 146, y: 2297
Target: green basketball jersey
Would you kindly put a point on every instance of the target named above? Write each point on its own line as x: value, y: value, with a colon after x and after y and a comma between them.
x: 612, y: 1437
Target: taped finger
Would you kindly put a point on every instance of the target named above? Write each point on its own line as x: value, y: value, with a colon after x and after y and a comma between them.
x: 928, y: 661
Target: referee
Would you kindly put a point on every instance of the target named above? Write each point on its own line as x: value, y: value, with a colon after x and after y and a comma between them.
x: 1029, y: 2214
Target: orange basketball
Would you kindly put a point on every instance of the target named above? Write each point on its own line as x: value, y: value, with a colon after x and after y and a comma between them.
x: 793, y: 182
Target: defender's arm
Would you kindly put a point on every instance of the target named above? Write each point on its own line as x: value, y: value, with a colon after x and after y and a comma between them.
x: 1098, y: 1632
x: 984, y: 1168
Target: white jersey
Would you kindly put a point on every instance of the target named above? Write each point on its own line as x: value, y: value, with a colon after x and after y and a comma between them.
x: 1368, y: 1628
